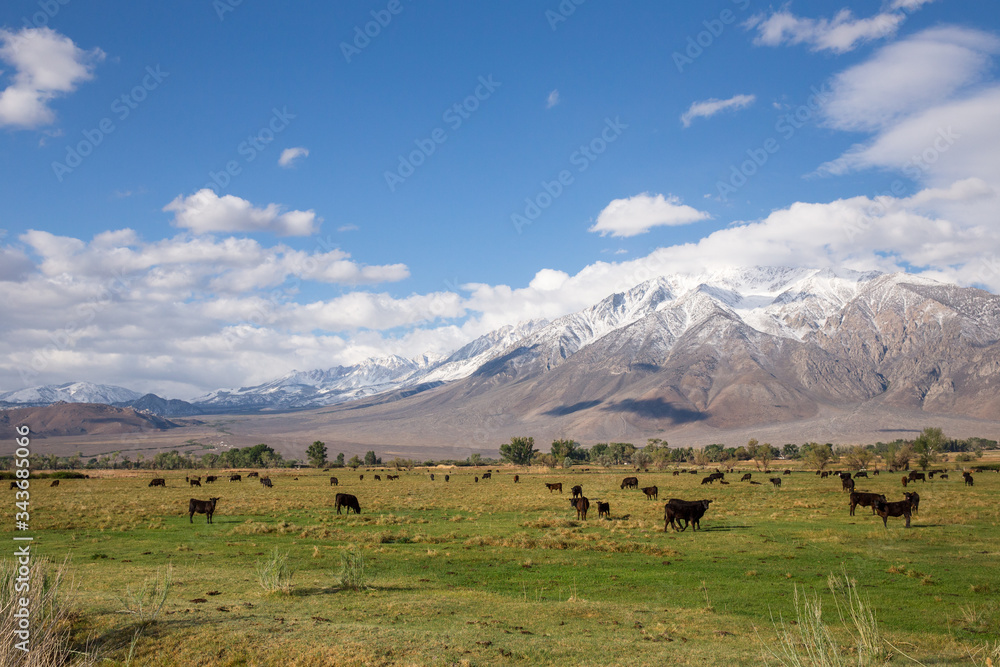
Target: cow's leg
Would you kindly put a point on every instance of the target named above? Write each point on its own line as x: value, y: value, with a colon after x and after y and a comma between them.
x: 907, y: 517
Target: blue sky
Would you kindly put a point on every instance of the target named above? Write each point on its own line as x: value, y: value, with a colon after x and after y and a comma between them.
x: 266, y: 189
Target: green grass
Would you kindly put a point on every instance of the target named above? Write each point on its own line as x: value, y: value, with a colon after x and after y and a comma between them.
x: 495, y: 573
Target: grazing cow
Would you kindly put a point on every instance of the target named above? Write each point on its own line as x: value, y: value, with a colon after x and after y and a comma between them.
x: 914, y: 476
x: 676, y: 473
x: 488, y: 475
x: 603, y: 510
x: 847, y: 484
x: 326, y: 470
x: 824, y: 475
x: 334, y: 482
x: 967, y: 476
x: 158, y: 481
x: 718, y: 475
x: 906, y: 480
x: 516, y: 478
x: 577, y: 491
x: 944, y: 475
x: 899, y: 508
x: 235, y: 478
x: 447, y: 477
x: 378, y: 478
x: 554, y: 487
x: 708, y: 480
x: 688, y: 511
x: 775, y: 480
x: 581, y: 505
x: 266, y: 481
x: 195, y: 478
x: 630, y: 483
x: 875, y: 473
x: 860, y: 473
x: 477, y: 480
x: 348, y: 501
x: 14, y: 485
x: 206, y: 507
x: 787, y: 472
x: 253, y: 474
x: 194, y: 482
x: 746, y: 477
x: 432, y: 477
x: 914, y: 499
x: 211, y: 478
x: 54, y: 483
x: 361, y: 478
x: 650, y: 492
x: 865, y: 500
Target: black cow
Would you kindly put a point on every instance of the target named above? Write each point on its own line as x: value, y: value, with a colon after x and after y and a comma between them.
x: 194, y: 482
x: 603, y: 510
x: 206, y: 507
x: 14, y: 485
x: 516, y: 478
x: 775, y: 480
x: 554, y: 487
x: 158, y: 481
x: 447, y: 477
x: 266, y: 481
x: 477, y: 480
x: 914, y: 476
x: 824, y: 475
x: 361, y: 478
x: 348, y: 501
x: 650, y: 492
x: 577, y: 491
x: 746, y: 477
x: 967, y: 476
x: 676, y: 473
x: 334, y: 482
x: 378, y: 478
x: 630, y: 483
x: 253, y: 474
x: 488, y: 475
x: 581, y: 505
x: 235, y: 478
x: 432, y: 477
x: 914, y: 499
x: 899, y: 508
x: 688, y: 511
x: 844, y: 475
x: 787, y: 472
x: 944, y: 475
x: 847, y: 484
x: 211, y: 478
x: 717, y: 475
x: 860, y: 473
x: 54, y: 483
x: 875, y: 474
x: 865, y: 500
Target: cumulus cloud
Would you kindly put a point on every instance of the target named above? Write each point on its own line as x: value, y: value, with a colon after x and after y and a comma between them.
x: 710, y: 107
x: 552, y: 100
x: 289, y: 156
x: 205, y: 212
x: 840, y: 34
x: 637, y: 215
x: 45, y: 65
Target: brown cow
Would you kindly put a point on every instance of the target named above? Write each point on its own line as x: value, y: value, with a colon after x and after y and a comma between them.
x: 776, y: 481
x: 554, y: 487
x: 746, y: 477
x: 55, y: 483
x: 899, y: 508
x: 253, y: 474
x: 630, y: 483
x: 967, y: 476
x: 914, y: 499
x: 603, y: 510
x: 688, y: 511
x: 651, y: 492
x: 194, y: 482
x: 211, y: 478
x: 905, y: 481
x: 865, y: 500
x: 516, y: 478
x: 378, y: 478
x: 847, y: 484
x: 158, y: 481
x: 334, y: 482
x: 577, y: 491
x: 348, y: 501
x: 581, y: 505
x: 235, y: 478
x: 206, y: 507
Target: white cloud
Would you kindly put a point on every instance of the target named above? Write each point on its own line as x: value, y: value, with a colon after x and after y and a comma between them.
x: 46, y: 64
x: 840, y: 34
x: 637, y: 215
x: 552, y: 100
x: 290, y: 155
x: 205, y: 212
x: 710, y: 107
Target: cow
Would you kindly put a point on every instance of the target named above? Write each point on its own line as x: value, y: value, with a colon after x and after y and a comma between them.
x: 708, y: 480
x: 577, y: 491
x: 210, y: 478
x: 746, y: 477
x: 967, y: 476
x: 688, y: 511
x: 847, y: 484
x: 824, y: 475
x: 195, y: 479
x: 392, y: 477
x: 206, y: 507
x: 158, y: 481
x: 361, y: 478
x: 235, y: 478
x: 476, y: 480
x: 865, y: 500
x: 581, y: 505
x: 603, y: 510
x: 517, y: 478
x: 914, y: 476
x: 488, y: 475
x: 326, y: 470
x: 348, y: 501
x: 930, y: 474
x: 14, y: 485
x: 194, y: 482
x: 378, y: 478
x: 54, y: 483
x: 253, y: 474
x: 266, y: 481
x: 554, y: 487
x: 860, y: 473
x: 676, y: 473
x: 432, y: 477
x: 914, y: 499
x: 944, y: 475
x: 334, y: 482
x: 718, y: 475
x: 650, y: 492
x: 875, y: 473
x: 844, y: 475
x: 787, y: 472
x: 775, y: 480
x: 447, y: 477
x: 899, y: 508
x: 906, y: 480
x: 630, y: 483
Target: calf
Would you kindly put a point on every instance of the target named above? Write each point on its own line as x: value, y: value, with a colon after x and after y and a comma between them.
x: 432, y: 477
x: 194, y: 482
x: 206, y: 507
x: 650, y: 492
x: 554, y: 487
x: 581, y: 505
x: 865, y: 500
x: 348, y: 501
x: 603, y: 510
x: 905, y: 481
x: 776, y: 481
x: 875, y: 474
x: 899, y: 508
x: 630, y: 483
x: 967, y: 476
x: 688, y: 511
x: 577, y: 491
x: 235, y: 478
x: 847, y: 484
x: 476, y: 480
x: 158, y: 481
x: 914, y: 499
x: 746, y: 477
x: 334, y: 482
x: 824, y: 475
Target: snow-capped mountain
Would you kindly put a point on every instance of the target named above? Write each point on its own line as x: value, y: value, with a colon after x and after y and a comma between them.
x: 71, y: 392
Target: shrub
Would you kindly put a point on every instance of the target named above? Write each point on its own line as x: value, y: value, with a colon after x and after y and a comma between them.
x: 273, y: 574
x: 353, y: 571
x: 146, y: 602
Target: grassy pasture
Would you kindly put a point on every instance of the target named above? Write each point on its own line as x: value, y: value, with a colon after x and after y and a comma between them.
x: 501, y: 573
